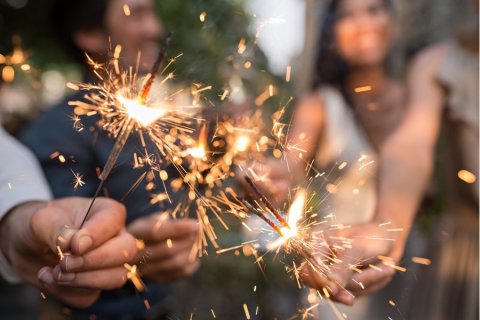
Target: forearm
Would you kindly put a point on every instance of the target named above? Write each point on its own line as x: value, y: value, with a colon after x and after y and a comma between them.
x: 405, y: 172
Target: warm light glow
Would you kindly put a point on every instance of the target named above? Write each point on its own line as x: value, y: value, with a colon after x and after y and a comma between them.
x: 143, y: 114
x: 466, y: 176
x: 295, y: 213
x: 197, y: 152
x: 241, y: 143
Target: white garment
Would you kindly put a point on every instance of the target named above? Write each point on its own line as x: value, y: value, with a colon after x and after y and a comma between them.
x: 348, y: 186
x: 21, y: 180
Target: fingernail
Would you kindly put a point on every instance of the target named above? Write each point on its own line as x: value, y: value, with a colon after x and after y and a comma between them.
x: 346, y: 298
x: 72, y: 263
x: 65, y: 277
x: 84, y: 243
x: 45, y: 276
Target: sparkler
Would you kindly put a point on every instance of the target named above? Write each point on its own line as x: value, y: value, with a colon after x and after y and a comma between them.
x: 291, y: 238
x: 124, y: 109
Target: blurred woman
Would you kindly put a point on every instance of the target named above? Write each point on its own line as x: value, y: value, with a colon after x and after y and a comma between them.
x: 355, y: 103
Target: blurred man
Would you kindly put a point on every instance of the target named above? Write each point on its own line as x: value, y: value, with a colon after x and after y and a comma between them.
x: 94, y: 27
x: 35, y: 234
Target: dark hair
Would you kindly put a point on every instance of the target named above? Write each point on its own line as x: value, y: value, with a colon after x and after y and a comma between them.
x: 70, y: 16
x: 330, y: 68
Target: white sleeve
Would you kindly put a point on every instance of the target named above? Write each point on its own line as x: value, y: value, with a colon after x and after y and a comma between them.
x: 21, y: 180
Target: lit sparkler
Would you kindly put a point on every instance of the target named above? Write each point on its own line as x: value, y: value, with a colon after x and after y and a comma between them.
x: 124, y: 109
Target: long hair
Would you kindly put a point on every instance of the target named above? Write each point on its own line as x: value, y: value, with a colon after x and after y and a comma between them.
x: 330, y: 68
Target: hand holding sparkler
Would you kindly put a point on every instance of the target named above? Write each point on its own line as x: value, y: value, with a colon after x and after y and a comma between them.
x: 294, y: 238
x: 168, y: 254
x: 34, y: 235
x: 366, y: 256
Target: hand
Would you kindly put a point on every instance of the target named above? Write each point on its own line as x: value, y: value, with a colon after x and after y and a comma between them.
x: 168, y: 254
x: 271, y: 178
x: 33, y: 235
x: 374, y: 250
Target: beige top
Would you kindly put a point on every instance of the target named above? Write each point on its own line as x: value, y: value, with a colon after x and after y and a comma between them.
x: 347, y: 163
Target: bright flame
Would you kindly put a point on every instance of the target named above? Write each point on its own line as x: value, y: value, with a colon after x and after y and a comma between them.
x: 241, y: 143
x: 143, y: 114
x: 295, y: 213
x: 199, y: 151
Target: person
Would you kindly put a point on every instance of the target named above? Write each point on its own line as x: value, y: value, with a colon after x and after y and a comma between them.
x: 34, y: 230
x: 91, y: 27
x: 355, y: 104
x: 443, y: 86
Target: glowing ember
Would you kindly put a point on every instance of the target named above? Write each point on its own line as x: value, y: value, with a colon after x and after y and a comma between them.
x: 466, y: 176
x: 295, y: 214
x: 242, y: 143
x: 143, y: 114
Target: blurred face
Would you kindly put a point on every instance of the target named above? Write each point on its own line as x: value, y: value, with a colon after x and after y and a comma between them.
x: 363, y: 32
x: 140, y: 31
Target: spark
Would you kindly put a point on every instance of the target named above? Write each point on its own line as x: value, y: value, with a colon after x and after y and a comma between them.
x: 363, y: 89
x: 247, y: 313
x: 77, y: 180
x: 423, y: 261
x: 466, y: 176
x: 288, y: 73
x: 134, y: 277
x: 126, y: 10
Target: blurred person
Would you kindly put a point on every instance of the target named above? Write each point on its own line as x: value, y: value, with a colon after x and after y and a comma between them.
x: 91, y: 26
x: 34, y: 228
x: 356, y: 102
x: 442, y: 86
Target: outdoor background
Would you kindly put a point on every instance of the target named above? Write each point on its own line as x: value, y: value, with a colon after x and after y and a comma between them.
x: 284, y: 29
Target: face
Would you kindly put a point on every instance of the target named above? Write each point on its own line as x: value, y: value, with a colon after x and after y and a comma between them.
x: 140, y: 31
x: 363, y: 32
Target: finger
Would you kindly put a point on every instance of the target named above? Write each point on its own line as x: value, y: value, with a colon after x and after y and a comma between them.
x: 168, y: 249
x: 371, y: 279
x: 319, y: 281
x: 113, y: 253
x: 172, y: 275
x: 75, y: 297
x: 107, y: 219
x: 152, y: 230
x: 179, y: 262
x: 52, y: 226
x: 344, y: 296
x: 104, y: 279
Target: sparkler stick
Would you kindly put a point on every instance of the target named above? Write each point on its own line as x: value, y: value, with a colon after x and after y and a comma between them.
x: 127, y: 127
x: 266, y: 202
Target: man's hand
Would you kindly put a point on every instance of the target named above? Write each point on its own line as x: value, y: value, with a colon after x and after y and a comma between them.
x: 365, y: 265
x: 168, y: 254
x: 47, y: 250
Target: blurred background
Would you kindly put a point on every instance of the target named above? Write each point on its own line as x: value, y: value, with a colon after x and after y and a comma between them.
x: 34, y: 71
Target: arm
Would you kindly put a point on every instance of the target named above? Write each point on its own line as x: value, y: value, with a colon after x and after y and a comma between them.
x: 406, y: 164
x: 407, y: 157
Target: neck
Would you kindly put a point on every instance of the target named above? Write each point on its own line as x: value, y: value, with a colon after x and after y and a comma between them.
x: 371, y: 80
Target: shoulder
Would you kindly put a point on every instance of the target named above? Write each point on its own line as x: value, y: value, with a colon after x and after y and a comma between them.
x: 430, y: 58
